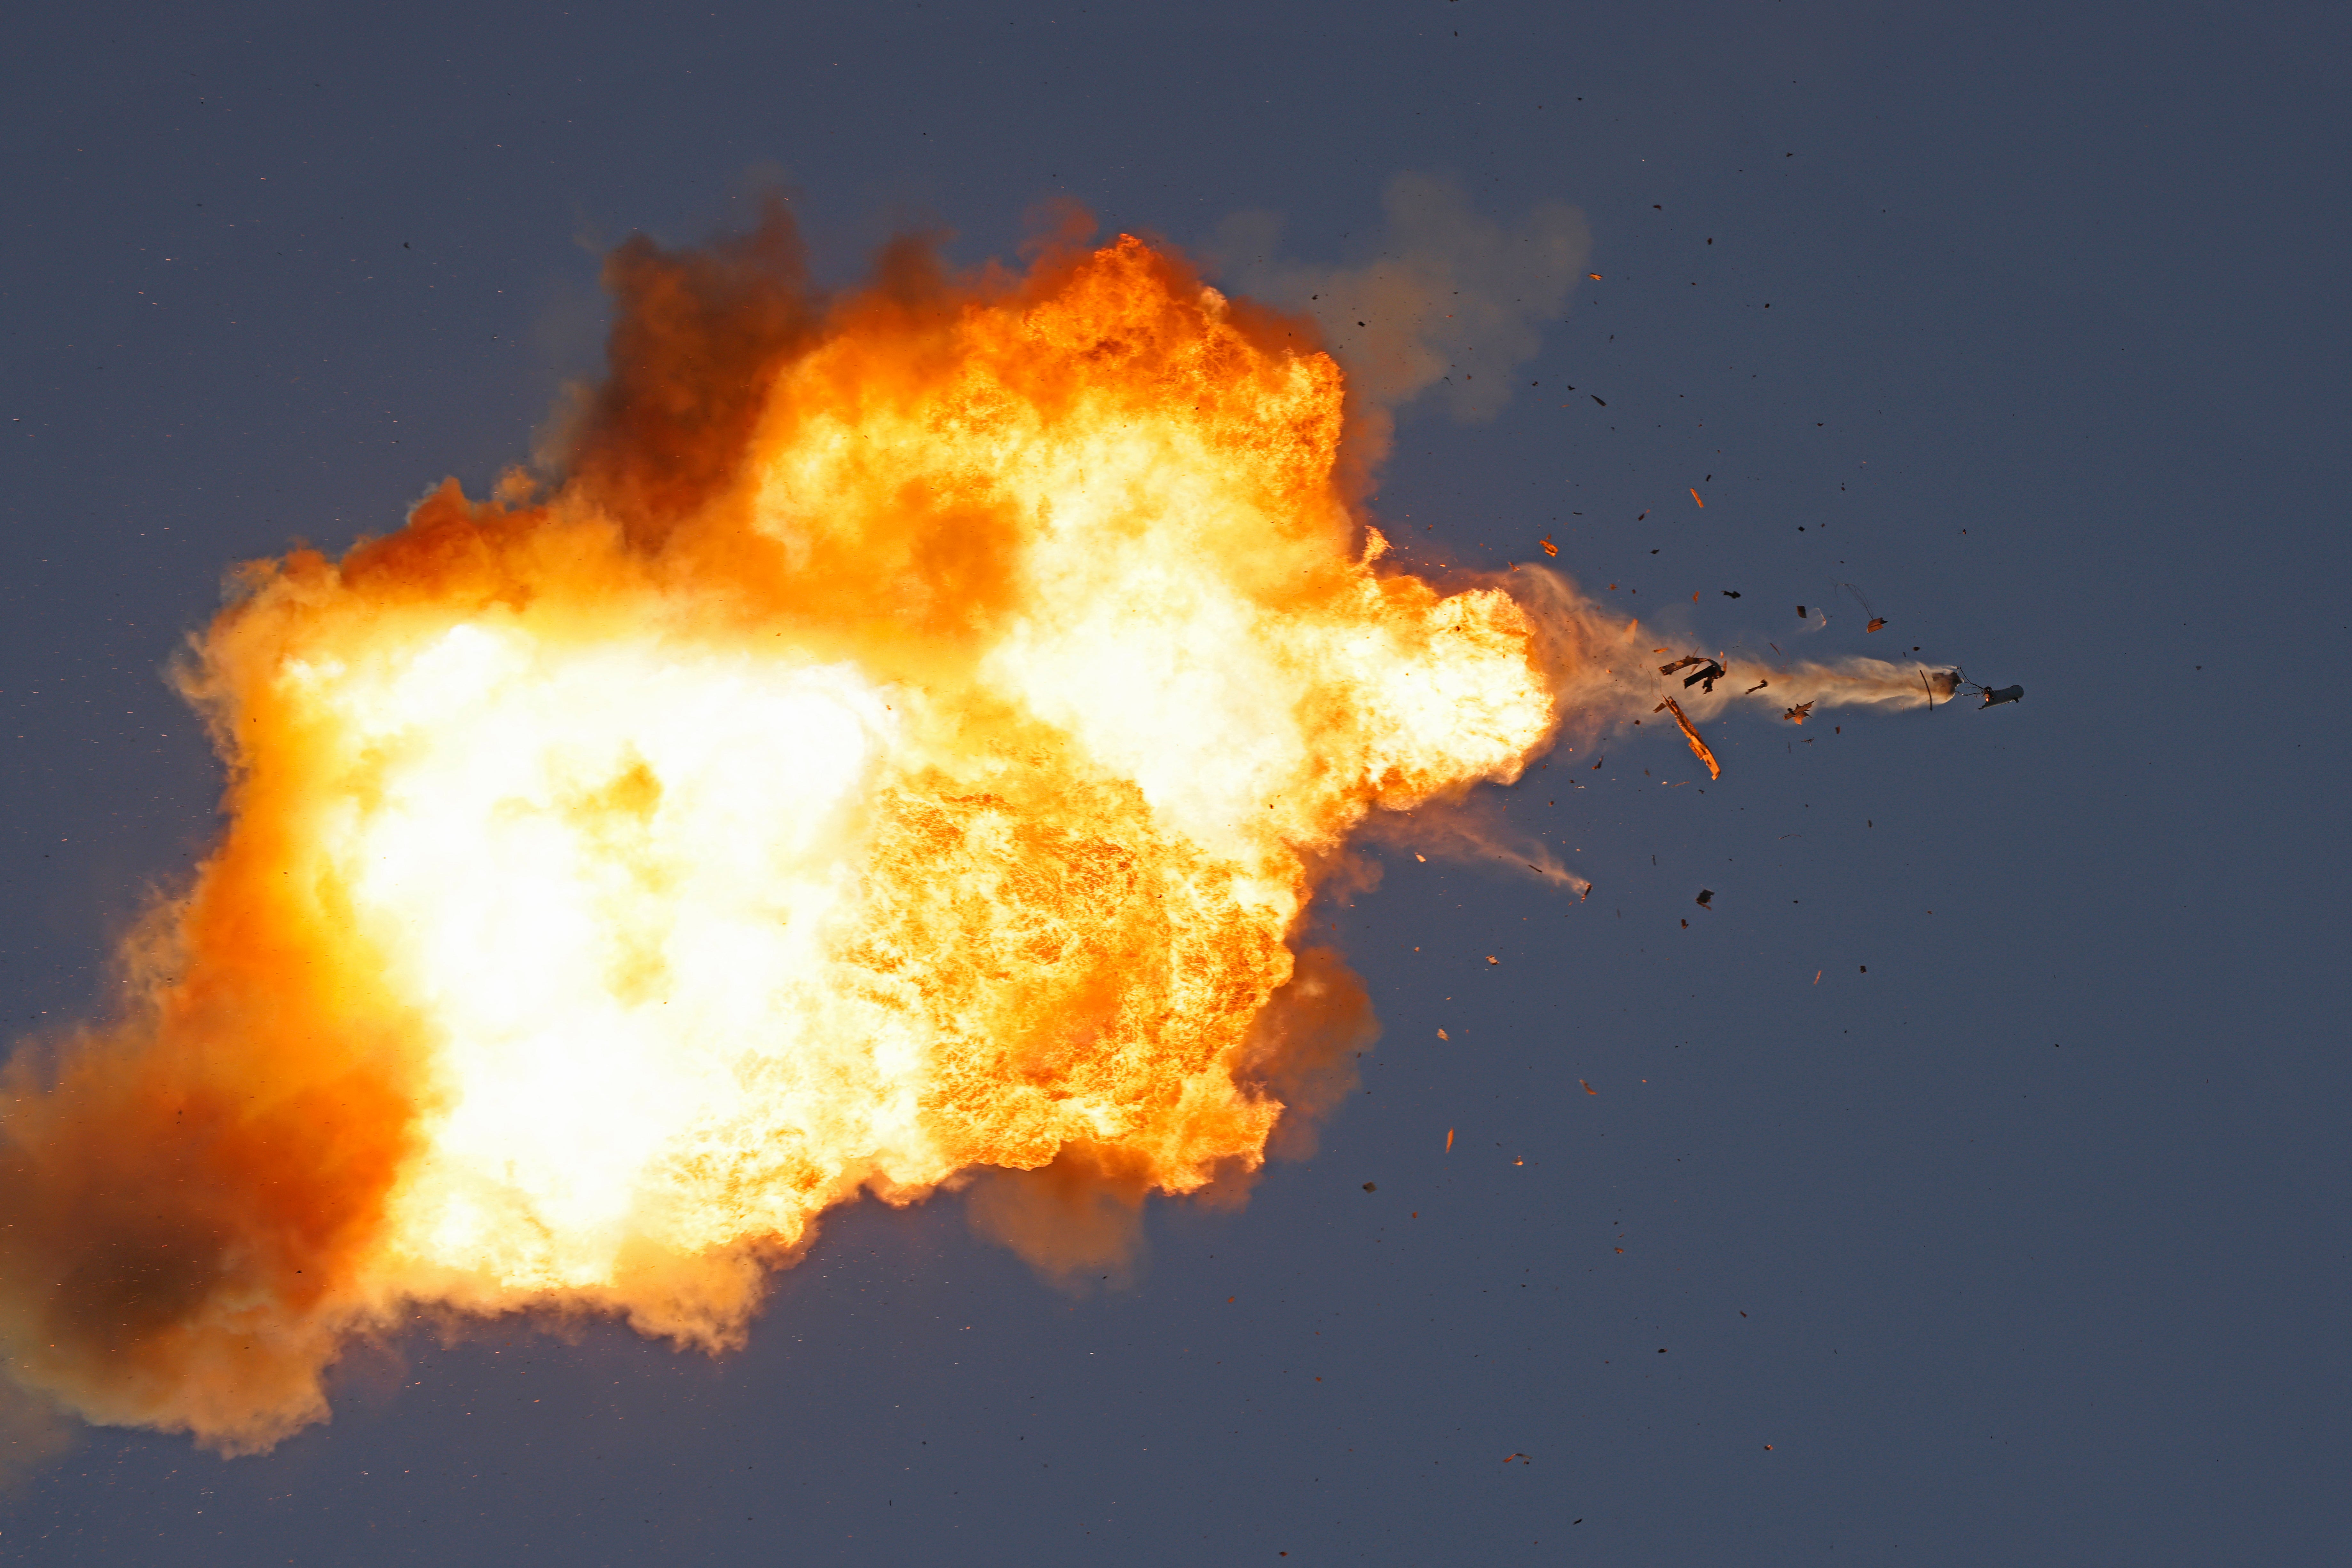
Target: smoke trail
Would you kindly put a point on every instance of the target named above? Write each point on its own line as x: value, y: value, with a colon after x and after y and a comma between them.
x: 1606, y: 668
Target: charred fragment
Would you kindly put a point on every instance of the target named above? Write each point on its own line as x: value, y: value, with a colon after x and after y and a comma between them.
x: 1699, y: 747
x: 1704, y: 680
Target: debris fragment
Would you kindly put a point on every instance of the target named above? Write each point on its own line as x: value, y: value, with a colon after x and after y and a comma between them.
x: 1731, y: 593
x: 1711, y: 674
x: 1875, y: 622
x: 1596, y: 397
x: 1441, y: 1035
x: 1594, y: 276
x: 2006, y: 694
x: 1449, y: 1140
x: 1492, y: 959
x: 1800, y: 613
x: 1548, y: 547
x: 1755, y: 688
x: 1706, y: 898
x: 1695, y: 495
x: 1371, y: 1187
x: 1698, y: 746
x: 1598, y: 761
x: 1682, y: 664
x: 1588, y: 1087
x: 1801, y: 711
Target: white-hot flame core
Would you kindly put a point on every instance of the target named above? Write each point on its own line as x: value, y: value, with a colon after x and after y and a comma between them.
x: 609, y: 877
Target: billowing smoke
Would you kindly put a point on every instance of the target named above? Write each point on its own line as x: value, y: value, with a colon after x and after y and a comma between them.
x: 1445, y: 301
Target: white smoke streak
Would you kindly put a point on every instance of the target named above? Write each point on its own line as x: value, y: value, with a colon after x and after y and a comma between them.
x: 1472, y: 832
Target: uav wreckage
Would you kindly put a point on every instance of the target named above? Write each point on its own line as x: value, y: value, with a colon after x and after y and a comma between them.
x: 1934, y: 684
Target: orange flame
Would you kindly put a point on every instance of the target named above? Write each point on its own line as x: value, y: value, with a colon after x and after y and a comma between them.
x: 903, y: 748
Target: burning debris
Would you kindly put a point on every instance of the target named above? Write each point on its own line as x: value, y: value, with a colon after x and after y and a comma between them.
x: 1704, y: 679
x: 1699, y: 747
x: 1800, y: 713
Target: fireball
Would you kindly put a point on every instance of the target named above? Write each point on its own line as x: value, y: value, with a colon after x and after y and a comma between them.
x: 902, y: 746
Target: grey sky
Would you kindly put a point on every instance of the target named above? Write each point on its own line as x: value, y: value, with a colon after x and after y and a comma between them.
x: 2029, y: 322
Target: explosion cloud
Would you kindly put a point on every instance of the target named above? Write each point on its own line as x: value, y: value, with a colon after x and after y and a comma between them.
x: 898, y: 753
x: 903, y: 747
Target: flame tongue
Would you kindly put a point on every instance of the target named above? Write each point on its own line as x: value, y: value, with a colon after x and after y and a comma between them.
x: 936, y: 790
